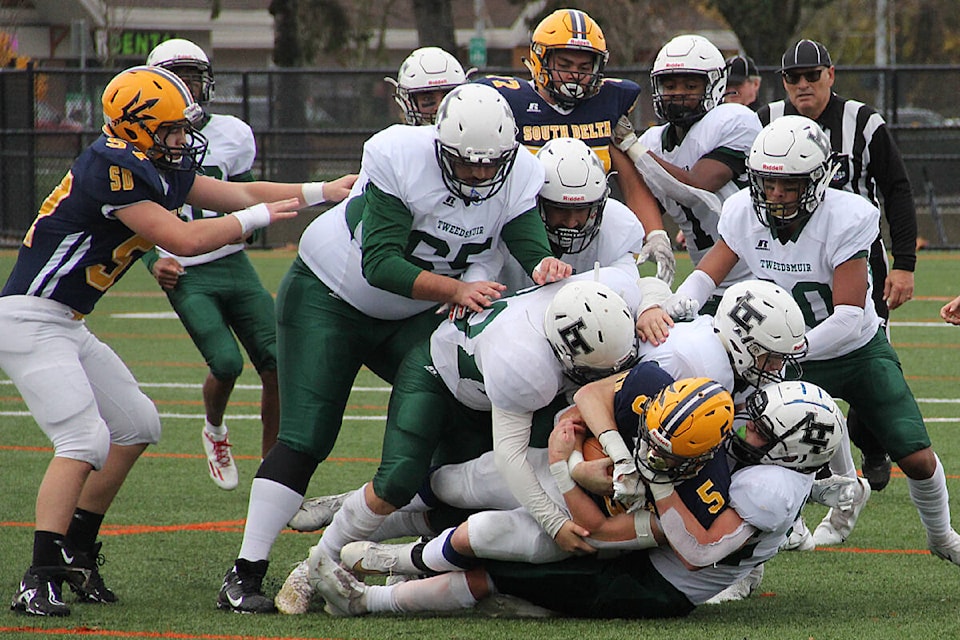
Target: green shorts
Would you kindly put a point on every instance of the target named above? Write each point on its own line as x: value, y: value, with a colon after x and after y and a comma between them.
x: 218, y: 299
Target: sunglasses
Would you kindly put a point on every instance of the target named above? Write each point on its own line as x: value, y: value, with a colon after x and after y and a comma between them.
x: 792, y: 77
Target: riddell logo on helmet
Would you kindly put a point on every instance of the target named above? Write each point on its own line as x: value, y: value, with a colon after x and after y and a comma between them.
x: 439, y: 81
x: 583, y: 42
x: 574, y: 198
x: 772, y: 167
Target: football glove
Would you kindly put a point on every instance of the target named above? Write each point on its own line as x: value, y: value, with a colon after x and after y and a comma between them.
x: 835, y: 491
x: 681, y: 308
x: 657, y: 246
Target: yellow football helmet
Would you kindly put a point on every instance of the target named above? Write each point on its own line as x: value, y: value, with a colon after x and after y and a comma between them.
x: 141, y: 100
x: 567, y: 29
x: 683, y: 426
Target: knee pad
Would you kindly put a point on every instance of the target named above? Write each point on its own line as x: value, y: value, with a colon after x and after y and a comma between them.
x: 226, y: 365
x: 88, y: 443
x: 139, y: 423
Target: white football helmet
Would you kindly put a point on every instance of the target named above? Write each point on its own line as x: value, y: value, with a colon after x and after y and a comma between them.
x: 800, y: 421
x: 790, y: 147
x: 591, y: 330
x: 475, y: 129
x: 761, y: 327
x: 575, y: 179
x: 426, y: 69
x: 189, y: 62
x: 688, y: 55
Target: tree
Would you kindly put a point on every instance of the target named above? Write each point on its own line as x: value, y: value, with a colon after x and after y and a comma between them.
x: 434, y: 20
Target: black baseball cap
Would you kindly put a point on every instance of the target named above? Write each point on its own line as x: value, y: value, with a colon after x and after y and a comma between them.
x: 805, y: 54
x: 739, y: 68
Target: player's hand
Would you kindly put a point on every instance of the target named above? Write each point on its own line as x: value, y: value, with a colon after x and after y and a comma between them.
x: 951, y: 311
x: 653, y: 325
x: 656, y: 246
x: 551, y: 270
x: 570, y: 538
x: 835, y: 491
x: 624, y: 135
x: 596, y: 476
x: 283, y: 209
x: 476, y: 296
x: 167, y: 271
x: 897, y: 288
x: 563, y: 440
x: 627, y: 482
x: 337, y: 190
x: 681, y: 308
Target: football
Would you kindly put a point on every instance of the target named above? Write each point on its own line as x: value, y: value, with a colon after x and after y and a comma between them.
x: 592, y: 450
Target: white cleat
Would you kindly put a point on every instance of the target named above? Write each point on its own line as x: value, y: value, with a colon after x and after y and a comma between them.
x: 800, y: 538
x: 220, y: 462
x: 296, y: 593
x: 374, y: 559
x: 947, y: 548
x: 344, y: 594
x: 838, y: 524
x: 317, y: 513
x: 740, y: 590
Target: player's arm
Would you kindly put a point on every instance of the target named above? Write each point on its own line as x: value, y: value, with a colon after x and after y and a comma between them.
x: 695, y: 546
x: 706, y: 173
x: 159, y: 226
x: 849, y: 297
x: 220, y: 195
x: 526, y: 239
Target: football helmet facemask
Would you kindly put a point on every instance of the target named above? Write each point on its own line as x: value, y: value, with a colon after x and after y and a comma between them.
x: 426, y: 69
x: 567, y: 29
x: 683, y: 426
x: 476, y: 142
x: 800, y: 422
x: 575, y: 179
x: 790, y: 148
x: 761, y: 327
x: 591, y: 330
x: 140, y: 101
x: 688, y: 55
x: 189, y: 62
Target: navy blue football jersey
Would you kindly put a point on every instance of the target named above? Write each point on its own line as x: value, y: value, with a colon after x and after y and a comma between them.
x: 592, y: 120
x: 76, y: 249
x: 707, y: 494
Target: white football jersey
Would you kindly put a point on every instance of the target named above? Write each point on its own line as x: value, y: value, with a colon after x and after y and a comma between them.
x: 502, y: 357
x: 230, y: 152
x: 693, y: 350
x: 844, y: 226
x: 727, y: 126
x: 453, y: 237
x: 620, y: 236
x: 766, y: 496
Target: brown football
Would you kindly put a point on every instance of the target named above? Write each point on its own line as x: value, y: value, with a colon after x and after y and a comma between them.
x: 592, y: 450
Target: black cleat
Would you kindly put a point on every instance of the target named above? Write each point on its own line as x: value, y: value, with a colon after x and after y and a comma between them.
x: 876, y: 469
x: 39, y: 593
x: 242, y: 588
x: 84, y: 578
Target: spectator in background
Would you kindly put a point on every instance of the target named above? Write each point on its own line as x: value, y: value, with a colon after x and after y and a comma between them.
x: 743, y: 82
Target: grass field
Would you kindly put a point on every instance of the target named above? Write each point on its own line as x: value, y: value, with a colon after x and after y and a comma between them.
x: 171, y: 534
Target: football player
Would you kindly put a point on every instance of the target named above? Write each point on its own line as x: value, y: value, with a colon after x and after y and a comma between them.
x: 790, y: 227
x: 221, y: 295
x: 366, y: 284
x: 702, y: 143
x: 114, y: 204
x: 425, y: 77
x: 569, y: 96
x: 792, y: 430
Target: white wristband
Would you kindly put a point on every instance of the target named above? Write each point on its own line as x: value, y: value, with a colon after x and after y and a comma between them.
x: 561, y: 476
x: 576, y: 457
x: 643, y: 527
x: 253, y: 218
x: 313, y: 193
x: 660, y: 491
x: 614, y: 446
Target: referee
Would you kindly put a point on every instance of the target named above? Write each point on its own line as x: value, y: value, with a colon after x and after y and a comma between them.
x: 869, y: 165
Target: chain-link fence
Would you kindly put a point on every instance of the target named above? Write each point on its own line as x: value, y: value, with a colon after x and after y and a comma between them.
x: 311, y: 124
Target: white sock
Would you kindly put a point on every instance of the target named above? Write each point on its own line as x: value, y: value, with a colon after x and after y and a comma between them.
x: 932, y: 500
x: 270, y: 509
x: 842, y: 461
x: 400, y: 524
x: 446, y: 592
x: 217, y: 431
x: 354, y: 521
x: 433, y: 553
